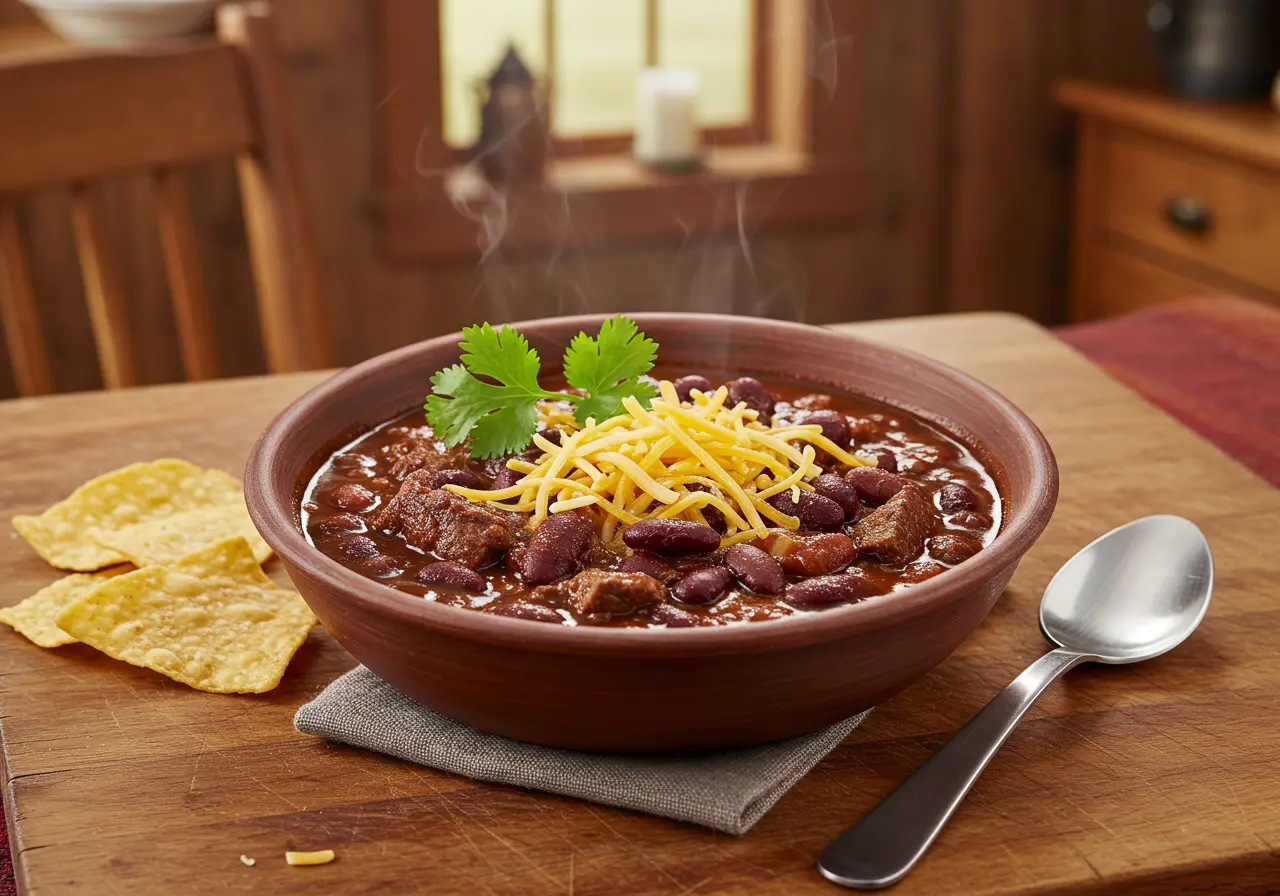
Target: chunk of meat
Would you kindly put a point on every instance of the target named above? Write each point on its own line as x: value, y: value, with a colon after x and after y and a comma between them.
x: 447, y: 525
x: 423, y: 452
x: 895, y: 532
x: 600, y: 595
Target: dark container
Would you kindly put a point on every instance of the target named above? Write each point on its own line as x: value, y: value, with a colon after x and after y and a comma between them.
x: 1218, y: 49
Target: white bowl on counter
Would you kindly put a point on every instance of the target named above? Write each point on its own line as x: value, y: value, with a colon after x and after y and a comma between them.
x: 123, y: 22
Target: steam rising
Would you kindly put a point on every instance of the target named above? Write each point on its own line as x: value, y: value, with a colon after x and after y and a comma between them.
x: 729, y: 272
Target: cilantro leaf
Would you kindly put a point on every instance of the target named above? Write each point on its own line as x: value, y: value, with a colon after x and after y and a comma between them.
x: 608, y: 402
x: 500, y: 418
x: 608, y: 367
x: 491, y: 397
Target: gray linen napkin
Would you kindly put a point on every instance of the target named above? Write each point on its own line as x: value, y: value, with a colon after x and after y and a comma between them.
x: 728, y: 791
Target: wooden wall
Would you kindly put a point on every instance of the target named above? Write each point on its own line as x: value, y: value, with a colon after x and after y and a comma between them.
x: 966, y: 191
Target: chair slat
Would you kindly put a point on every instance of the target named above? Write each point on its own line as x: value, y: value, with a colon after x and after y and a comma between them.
x: 291, y: 307
x: 22, y: 332
x: 107, y: 313
x: 182, y: 265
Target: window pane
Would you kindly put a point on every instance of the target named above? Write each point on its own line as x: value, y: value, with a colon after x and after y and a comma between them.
x: 599, y: 52
x: 475, y: 34
x: 714, y: 38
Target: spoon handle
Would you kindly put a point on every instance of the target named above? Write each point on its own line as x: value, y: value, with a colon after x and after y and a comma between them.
x: 881, y: 848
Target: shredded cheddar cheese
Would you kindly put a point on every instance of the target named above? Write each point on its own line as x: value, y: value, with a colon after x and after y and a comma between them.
x: 669, y: 460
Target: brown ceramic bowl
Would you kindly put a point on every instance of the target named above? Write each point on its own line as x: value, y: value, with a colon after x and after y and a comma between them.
x: 641, y: 690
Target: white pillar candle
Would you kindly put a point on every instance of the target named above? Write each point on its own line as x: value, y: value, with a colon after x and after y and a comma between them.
x: 667, y: 117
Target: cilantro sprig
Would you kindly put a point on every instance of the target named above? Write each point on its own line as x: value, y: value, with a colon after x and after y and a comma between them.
x: 499, y: 412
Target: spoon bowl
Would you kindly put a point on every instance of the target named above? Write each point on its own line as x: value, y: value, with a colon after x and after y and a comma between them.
x: 1133, y: 594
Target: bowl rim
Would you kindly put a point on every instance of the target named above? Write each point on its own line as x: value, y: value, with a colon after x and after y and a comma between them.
x: 273, y: 514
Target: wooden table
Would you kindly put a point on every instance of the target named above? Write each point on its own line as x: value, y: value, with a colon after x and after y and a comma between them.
x: 1163, y: 777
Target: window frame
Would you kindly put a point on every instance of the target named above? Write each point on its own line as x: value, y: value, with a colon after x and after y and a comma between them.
x: 754, y: 130
x: 421, y: 180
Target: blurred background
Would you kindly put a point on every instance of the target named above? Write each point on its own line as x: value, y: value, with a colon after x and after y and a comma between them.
x: 863, y: 159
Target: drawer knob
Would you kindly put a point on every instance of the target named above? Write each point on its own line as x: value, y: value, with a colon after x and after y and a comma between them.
x: 1188, y: 214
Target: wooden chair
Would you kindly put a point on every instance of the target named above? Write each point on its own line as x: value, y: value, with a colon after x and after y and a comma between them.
x: 78, y: 116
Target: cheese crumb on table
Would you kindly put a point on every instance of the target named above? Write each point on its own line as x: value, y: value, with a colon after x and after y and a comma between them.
x: 248, y: 861
x: 321, y: 857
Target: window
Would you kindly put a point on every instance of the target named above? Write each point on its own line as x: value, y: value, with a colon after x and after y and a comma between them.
x: 590, y: 53
x: 755, y: 59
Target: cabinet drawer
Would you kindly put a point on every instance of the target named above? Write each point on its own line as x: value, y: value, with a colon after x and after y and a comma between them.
x: 1125, y: 282
x: 1210, y: 210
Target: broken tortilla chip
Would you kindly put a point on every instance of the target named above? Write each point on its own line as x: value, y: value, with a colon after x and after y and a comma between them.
x: 231, y: 558
x: 219, y: 634
x: 35, y: 616
x: 134, y: 494
x: 165, y: 541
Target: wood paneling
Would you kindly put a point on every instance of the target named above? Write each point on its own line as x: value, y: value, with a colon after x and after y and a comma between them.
x: 944, y: 106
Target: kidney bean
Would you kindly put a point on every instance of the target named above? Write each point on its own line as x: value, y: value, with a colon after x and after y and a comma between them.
x: 338, y: 524
x: 922, y: 570
x: 825, y: 591
x: 750, y: 391
x: 556, y: 548
x: 819, y: 555
x: 837, y: 489
x: 452, y: 575
x: 835, y: 426
x: 505, y: 478
x: 977, y: 522
x: 953, y: 549
x: 702, y: 587
x: 361, y: 547
x: 715, y: 519
x: 352, y: 496
x: 886, y: 460
x: 671, y: 538
x: 955, y: 497
x: 673, y: 617
x: 755, y: 569
x: 464, y: 478
x: 686, y: 384
x: 380, y: 566
x: 532, y: 612
x: 552, y: 435
x: 815, y: 512
x: 650, y: 565
x: 875, y: 486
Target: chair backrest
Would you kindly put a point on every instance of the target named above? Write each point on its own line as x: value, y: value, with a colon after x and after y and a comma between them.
x: 81, y: 115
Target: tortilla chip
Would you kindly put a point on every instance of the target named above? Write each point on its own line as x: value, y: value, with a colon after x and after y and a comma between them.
x: 229, y: 559
x: 34, y: 617
x: 133, y: 494
x: 218, y: 635
x: 163, y: 542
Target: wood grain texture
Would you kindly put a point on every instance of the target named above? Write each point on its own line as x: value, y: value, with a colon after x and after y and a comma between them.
x: 176, y: 105
x: 103, y: 289
x: 186, y: 286
x: 1157, y: 778
x: 23, y: 335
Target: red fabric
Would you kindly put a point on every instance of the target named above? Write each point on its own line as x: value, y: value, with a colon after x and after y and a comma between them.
x: 1213, y: 363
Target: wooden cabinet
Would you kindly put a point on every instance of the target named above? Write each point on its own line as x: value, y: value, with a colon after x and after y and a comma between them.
x: 1173, y: 198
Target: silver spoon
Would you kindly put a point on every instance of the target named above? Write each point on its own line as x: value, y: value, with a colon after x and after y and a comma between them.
x: 1133, y: 594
